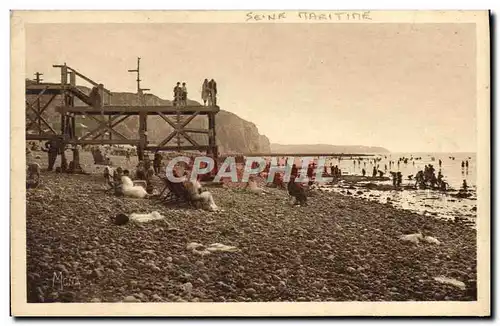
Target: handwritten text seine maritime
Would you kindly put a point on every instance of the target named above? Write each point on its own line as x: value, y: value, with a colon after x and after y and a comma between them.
x: 309, y: 16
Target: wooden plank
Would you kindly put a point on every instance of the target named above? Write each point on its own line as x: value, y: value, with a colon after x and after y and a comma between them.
x: 135, y: 110
x: 82, y: 76
x: 196, y: 131
x: 178, y: 148
x: 167, y: 120
x: 188, y: 138
x: 39, y: 136
x: 188, y: 120
x: 105, y: 141
x: 112, y: 124
x: 103, y: 125
x: 168, y: 138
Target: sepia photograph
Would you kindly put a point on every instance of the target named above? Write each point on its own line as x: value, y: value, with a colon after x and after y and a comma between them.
x: 299, y: 162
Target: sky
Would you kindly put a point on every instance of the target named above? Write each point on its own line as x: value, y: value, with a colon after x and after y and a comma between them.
x: 405, y: 87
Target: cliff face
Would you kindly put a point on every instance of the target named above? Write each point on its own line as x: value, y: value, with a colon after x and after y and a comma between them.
x: 233, y: 134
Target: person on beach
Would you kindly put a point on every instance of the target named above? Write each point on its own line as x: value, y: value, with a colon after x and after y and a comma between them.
x: 177, y: 94
x: 205, y: 92
x: 394, y: 179
x: 440, y: 162
x: 363, y: 172
x: 440, y: 182
x: 374, y: 173
x: 399, y: 177
x: 419, y: 179
x: 297, y: 191
x: 53, y: 148
x: 463, y: 164
x: 157, y: 162
x: 464, y: 185
x: 467, y: 164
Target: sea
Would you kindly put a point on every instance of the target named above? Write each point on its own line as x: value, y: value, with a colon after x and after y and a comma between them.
x: 428, y: 202
x: 432, y: 203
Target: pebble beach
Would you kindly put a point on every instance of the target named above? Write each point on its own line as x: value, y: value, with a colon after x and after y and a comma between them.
x: 338, y: 248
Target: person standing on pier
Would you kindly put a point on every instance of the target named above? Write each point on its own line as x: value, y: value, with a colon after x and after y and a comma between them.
x: 95, y: 98
x: 205, y: 92
x: 177, y: 94
x: 212, y: 87
x: 184, y: 94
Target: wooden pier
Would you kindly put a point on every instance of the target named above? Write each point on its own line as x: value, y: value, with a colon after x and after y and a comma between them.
x: 108, y: 117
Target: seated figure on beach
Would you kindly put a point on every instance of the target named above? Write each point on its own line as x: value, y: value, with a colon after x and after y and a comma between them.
x: 129, y: 190
x: 253, y: 187
x: 197, y: 194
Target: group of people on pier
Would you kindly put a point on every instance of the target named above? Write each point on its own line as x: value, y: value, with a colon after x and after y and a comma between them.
x: 208, y: 93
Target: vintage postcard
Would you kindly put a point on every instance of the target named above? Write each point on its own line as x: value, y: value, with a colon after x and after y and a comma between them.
x: 250, y: 163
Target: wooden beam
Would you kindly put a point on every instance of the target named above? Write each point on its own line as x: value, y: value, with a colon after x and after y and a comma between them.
x: 30, y: 105
x: 40, y: 136
x: 189, y: 139
x: 167, y: 120
x: 103, y: 125
x: 188, y: 120
x: 196, y: 131
x: 136, y: 110
x: 112, y: 124
x: 82, y: 76
x: 178, y: 148
x: 168, y: 138
x: 104, y: 141
x: 39, y: 115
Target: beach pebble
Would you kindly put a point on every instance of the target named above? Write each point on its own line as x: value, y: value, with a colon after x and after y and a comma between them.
x: 130, y: 298
x: 350, y: 269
